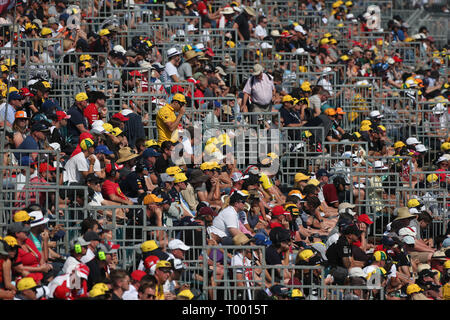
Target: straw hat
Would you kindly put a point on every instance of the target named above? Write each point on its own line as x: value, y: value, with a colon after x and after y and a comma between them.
x: 125, y: 154
x: 403, y: 213
x: 250, y: 11
x: 191, y: 54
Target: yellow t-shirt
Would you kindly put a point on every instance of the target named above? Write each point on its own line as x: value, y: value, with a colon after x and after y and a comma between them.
x: 265, y: 181
x: 159, y: 292
x: 164, y: 115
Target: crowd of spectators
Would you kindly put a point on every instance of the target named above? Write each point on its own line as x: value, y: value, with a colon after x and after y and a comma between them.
x: 375, y: 216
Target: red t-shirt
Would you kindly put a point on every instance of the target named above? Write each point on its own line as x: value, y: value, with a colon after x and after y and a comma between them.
x: 330, y: 193
x: 110, y: 187
x: 91, y: 113
x: 202, y: 8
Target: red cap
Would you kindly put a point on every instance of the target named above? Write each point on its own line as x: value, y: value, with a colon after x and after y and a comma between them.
x: 120, y: 116
x: 365, y: 218
x: 275, y: 225
x: 62, y: 292
x: 135, y: 73
x: 176, y: 88
x: 278, y: 211
x: 26, y: 92
x: 150, y: 261
x: 209, y: 52
x: 137, y: 275
x: 43, y: 167
x: 192, y: 80
x: 207, y: 211
x: 62, y: 115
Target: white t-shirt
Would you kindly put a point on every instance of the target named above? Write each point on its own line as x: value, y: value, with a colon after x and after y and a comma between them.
x: 260, y: 31
x: 130, y: 294
x: 171, y: 70
x: 227, y: 218
x: 74, y: 167
x: 97, y: 199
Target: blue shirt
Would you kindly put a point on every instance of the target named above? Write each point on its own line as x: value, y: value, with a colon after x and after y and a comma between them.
x: 28, y: 144
x: 76, y: 118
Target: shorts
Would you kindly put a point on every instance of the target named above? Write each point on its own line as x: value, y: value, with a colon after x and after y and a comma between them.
x: 421, y: 256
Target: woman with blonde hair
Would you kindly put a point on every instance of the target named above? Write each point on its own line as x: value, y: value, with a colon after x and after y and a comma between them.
x: 20, y: 127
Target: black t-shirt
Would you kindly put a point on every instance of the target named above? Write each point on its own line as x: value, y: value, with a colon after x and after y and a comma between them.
x: 162, y: 164
x: 338, y: 250
x: 243, y: 26
x: 376, y: 145
x: 289, y: 116
x: 76, y: 118
x: 132, y: 184
x: 401, y: 259
x: 273, y: 257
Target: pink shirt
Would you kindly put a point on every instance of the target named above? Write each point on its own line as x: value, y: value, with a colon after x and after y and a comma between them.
x: 261, y: 91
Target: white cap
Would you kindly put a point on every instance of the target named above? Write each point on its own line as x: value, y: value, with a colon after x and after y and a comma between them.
x: 266, y: 45
x: 439, y: 109
x: 38, y: 218
x: 200, y: 46
x: 300, y: 51
x: 441, y: 159
x: 237, y: 176
x: 191, y: 27
x: 119, y: 48
x: 55, y: 146
x: 421, y: 148
x: 178, y: 264
x: 356, y: 272
x: 413, y: 211
x: 300, y: 29
x: 327, y: 70
x: 411, y: 141
x: 390, y: 60
x: 178, y: 244
x: 409, y: 240
x: 172, y: 52
x: 376, y: 114
x: 347, y: 154
x: 379, y: 165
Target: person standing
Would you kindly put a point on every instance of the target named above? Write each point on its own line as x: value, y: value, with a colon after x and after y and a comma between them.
x: 77, y: 124
x: 258, y: 91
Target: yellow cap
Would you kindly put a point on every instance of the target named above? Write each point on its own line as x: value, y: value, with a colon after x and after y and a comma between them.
x: 445, y: 146
x: 345, y: 57
x: 366, y: 122
x: 85, y: 57
x: 330, y: 112
x: 306, y: 134
x: 26, y: 283
x: 163, y: 264
x: 180, y: 177
x: 87, y: 65
x: 116, y: 131
x: 365, y: 128
x: 348, y: 4
x: 149, y: 245
x: 305, y: 254
x: 45, y: 31
x: 206, y: 166
x: 82, y: 96
x: 382, y: 127
x: 302, y: 69
x: 432, y: 178
x: 231, y: 44
x: 11, y: 241
x: 212, y: 140
x: 301, y: 177
x: 305, y: 86
x: 108, y: 127
x: 21, y: 216
x: 413, y: 288
x: 447, y: 264
x: 324, y: 41
x: 327, y: 35
x: 86, y: 144
x: 297, y: 293
x: 104, y: 32
x: 152, y: 198
x: 412, y: 203
x: 101, y: 286
x: 96, y: 292
x: 179, y: 97
x: 4, y: 68
x: 10, y: 62
x: 337, y: 4
x: 186, y: 293
x: 287, y: 98
x: 210, y: 148
x: 151, y: 143
x: 399, y: 144
x: 171, y: 171
x: 314, y: 182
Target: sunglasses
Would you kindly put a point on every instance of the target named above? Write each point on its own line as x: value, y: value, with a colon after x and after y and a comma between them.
x: 165, y: 270
x: 150, y: 296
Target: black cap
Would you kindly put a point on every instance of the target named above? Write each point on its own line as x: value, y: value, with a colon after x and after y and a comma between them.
x: 39, y: 126
x: 91, y: 236
x: 280, y: 290
x: 279, y: 234
x: 16, y: 227
x: 352, y: 229
x: 92, y: 178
